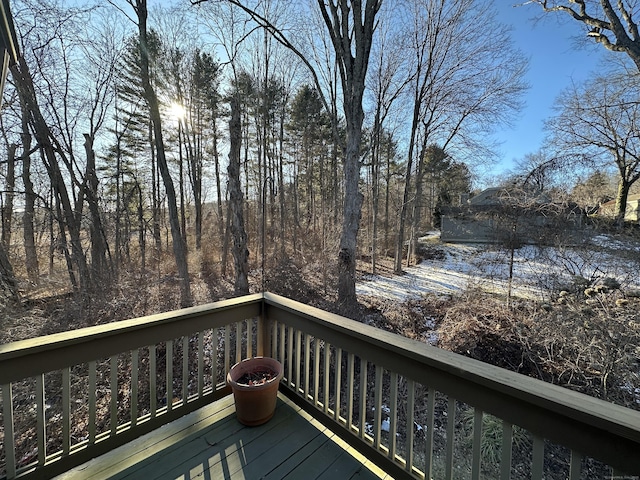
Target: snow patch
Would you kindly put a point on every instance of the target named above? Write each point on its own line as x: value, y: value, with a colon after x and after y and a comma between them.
x: 486, y: 268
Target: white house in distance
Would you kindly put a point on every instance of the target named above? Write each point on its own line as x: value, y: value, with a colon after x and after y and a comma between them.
x: 632, y: 212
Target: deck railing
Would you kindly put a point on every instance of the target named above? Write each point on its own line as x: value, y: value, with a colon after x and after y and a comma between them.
x: 418, y: 411
x: 69, y: 397
x: 435, y: 414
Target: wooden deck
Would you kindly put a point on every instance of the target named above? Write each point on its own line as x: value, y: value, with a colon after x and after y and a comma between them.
x: 211, y: 444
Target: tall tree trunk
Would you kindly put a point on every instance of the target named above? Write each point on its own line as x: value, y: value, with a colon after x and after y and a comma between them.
x: 417, y: 203
x: 8, y: 286
x: 31, y: 255
x: 216, y: 159
x: 7, y: 209
x: 351, y: 26
x: 281, y: 199
x: 99, y: 265
x: 155, y: 193
x: 375, y: 187
x: 179, y: 248
x: 404, y: 209
x: 387, y: 197
x: 141, y: 230
x: 119, y: 209
x: 236, y: 201
x: 195, y: 163
x: 183, y: 217
x: 227, y: 240
x: 351, y: 212
x: 52, y: 233
x: 622, y: 194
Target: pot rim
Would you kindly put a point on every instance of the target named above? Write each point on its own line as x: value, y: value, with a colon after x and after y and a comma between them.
x: 249, y: 364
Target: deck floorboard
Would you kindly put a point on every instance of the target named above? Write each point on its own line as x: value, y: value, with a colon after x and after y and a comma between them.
x: 211, y: 444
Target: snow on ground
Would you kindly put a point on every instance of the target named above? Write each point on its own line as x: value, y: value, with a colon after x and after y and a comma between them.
x: 536, y: 270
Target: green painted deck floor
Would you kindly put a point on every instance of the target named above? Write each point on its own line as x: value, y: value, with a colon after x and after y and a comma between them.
x: 210, y: 444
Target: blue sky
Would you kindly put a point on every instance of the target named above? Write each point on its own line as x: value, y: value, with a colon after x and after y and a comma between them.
x: 555, y: 60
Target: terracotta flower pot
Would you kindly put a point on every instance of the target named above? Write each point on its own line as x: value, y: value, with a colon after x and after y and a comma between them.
x: 256, y: 402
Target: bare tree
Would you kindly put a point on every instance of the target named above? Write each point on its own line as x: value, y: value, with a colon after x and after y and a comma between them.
x: 351, y: 30
x: 240, y: 251
x: 350, y: 25
x: 386, y: 86
x: 611, y: 24
x: 179, y: 248
x: 51, y: 150
x: 464, y: 84
x: 599, y: 123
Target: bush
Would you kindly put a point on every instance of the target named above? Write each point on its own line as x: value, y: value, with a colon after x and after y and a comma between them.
x: 586, y: 344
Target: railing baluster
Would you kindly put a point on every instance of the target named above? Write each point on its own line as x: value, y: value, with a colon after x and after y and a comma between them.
x: 261, y: 332
x: 350, y: 362
x: 214, y: 359
x: 537, y: 460
x: 9, y: 440
x: 185, y: 369
x: 92, y: 401
x: 277, y: 343
x: 153, y: 388
x: 169, y: 374
x: 477, y: 444
x: 282, y: 352
x: 338, y: 386
x: 113, y: 383
x: 66, y: 410
x: 238, y: 341
x: 377, y: 405
x: 363, y: 397
x: 316, y: 370
x: 393, y: 415
x: 505, y: 462
x: 200, y: 363
x: 135, y: 354
x: 428, y: 458
x: 451, y: 424
x: 411, y: 392
x: 290, y: 356
x: 307, y: 368
x: 298, y: 359
x: 249, y: 345
x: 327, y: 375
x: 41, y: 421
x: 227, y: 350
x: 575, y: 465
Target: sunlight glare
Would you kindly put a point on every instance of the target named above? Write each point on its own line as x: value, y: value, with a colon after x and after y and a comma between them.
x: 177, y: 110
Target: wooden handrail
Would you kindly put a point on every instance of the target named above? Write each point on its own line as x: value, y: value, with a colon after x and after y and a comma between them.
x: 605, y: 431
x: 25, y: 358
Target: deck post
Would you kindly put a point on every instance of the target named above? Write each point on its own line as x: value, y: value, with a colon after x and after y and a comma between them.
x: 265, y: 329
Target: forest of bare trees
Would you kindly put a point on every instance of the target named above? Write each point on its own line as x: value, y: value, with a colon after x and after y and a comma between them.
x: 241, y: 134
x: 240, y: 137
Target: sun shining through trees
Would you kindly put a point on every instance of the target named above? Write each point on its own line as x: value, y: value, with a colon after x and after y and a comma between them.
x: 177, y: 111
x: 326, y: 178
x: 153, y: 159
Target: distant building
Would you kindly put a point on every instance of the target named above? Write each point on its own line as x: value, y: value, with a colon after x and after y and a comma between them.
x: 510, y: 215
x: 631, y: 214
